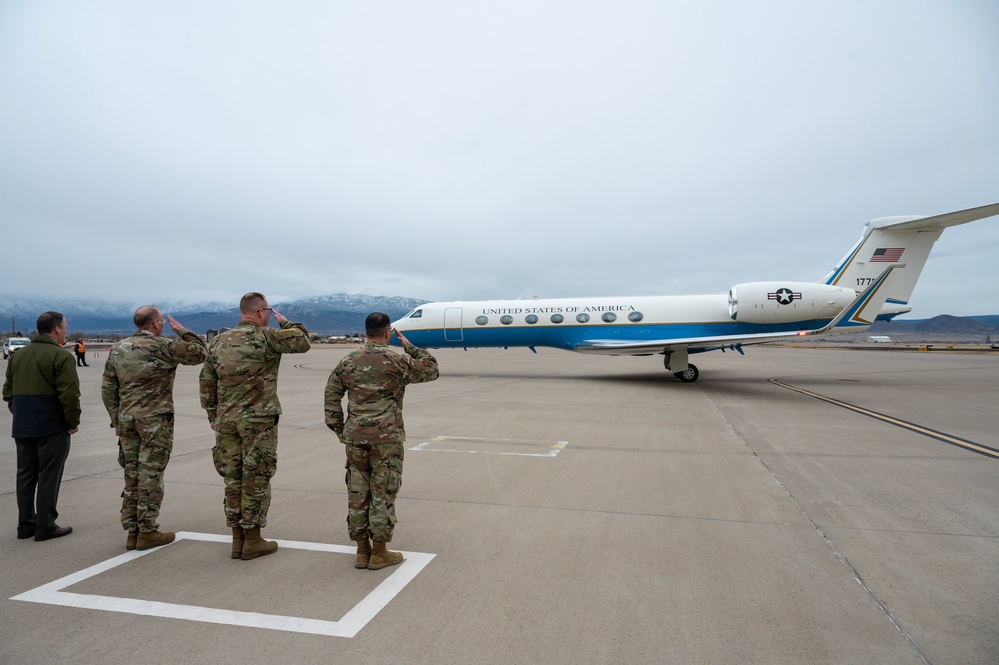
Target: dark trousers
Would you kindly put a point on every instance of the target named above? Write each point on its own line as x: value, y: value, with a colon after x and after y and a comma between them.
x: 40, y: 462
x: 81, y: 360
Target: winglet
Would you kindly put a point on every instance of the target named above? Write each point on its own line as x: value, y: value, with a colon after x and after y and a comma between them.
x: 865, y: 307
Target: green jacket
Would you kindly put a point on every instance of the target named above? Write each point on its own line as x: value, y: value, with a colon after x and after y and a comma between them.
x: 42, y: 389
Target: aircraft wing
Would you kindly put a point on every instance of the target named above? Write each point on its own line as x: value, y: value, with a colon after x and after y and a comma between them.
x: 616, y: 347
x: 860, y: 313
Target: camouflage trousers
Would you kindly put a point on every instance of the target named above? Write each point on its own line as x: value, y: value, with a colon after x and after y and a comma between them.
x: 374, y: 476
x: 144, y: 448
x: 245, y: 455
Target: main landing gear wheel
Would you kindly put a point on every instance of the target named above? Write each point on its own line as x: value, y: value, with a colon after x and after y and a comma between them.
x: 688, y: 375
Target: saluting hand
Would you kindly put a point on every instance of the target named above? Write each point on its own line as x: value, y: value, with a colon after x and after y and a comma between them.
x: 174, y: 325
x: 280, y: 318
x: 402, y: 340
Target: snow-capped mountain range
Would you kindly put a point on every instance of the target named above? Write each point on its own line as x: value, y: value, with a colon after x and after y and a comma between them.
x: 335, y: 314
x: 343, y: 314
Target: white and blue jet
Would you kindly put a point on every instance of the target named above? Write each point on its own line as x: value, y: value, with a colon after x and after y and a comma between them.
x: 872, y: 282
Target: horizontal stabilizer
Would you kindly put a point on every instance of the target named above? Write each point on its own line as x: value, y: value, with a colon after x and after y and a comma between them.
x: 895, y: 240
x: 937, y: 222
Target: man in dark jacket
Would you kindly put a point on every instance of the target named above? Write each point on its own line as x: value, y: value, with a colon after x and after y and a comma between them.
x: 42, y: 390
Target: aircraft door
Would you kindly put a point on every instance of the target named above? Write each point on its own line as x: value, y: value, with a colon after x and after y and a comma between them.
x: 452, y: 324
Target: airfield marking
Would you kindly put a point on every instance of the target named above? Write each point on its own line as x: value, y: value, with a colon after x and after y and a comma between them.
x: 912, y: 427
x: 348, y: 625
x: 554, y: 447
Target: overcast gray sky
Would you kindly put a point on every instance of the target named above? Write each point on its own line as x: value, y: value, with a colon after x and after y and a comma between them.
x: 191, y: 151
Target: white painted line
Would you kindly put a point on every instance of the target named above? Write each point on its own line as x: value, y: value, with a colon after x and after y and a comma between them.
x: 348, y: 626
x: 555, y: 447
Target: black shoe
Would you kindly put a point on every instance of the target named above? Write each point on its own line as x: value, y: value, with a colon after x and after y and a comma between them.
x: 25, y: 532
x: 54, y: 532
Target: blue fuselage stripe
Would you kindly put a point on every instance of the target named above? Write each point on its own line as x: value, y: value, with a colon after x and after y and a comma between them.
x: 567, y: 337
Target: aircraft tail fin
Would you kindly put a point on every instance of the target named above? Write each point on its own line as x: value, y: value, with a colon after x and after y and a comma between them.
x: 864, y: 309
x: 889, y: 240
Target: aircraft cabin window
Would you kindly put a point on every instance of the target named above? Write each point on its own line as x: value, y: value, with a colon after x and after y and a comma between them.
x: 506, y: 319
x: 481, y: 320
x: 416, y: 314
x: 582, y: 318
x: 609, y: 317
x: 635, y: 316
x: 531, y: 318
x: 557, y: 318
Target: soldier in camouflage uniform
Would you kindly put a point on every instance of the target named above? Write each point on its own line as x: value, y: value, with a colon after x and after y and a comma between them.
x: 239, y: 392
x: 374, y: 378
x: 137, y: 389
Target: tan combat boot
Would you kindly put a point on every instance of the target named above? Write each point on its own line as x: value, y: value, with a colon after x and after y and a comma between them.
x: 133, y: 537
x: 153, y: 539
x: 237, y: 542
x: 363, y: 553
x: 254, y: 545
x: 381, y: 557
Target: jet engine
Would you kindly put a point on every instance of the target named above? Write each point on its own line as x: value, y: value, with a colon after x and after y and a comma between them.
x: 786, y: 302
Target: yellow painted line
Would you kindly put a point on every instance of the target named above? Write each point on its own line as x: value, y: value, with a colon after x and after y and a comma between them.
x: 912, y: 427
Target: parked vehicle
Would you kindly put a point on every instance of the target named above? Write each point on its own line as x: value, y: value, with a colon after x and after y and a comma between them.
x: 13, y: 344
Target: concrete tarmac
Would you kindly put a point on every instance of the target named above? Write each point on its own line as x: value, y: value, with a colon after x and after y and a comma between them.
x: 557, y: 508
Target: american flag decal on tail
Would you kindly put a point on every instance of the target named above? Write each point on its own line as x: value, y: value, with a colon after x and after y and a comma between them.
x: 887, y: 254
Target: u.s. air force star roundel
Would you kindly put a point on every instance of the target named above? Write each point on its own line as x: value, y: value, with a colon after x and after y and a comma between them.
x: 784, y: 296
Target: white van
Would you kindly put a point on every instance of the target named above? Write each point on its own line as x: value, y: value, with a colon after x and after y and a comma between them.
x: 13, y: 344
